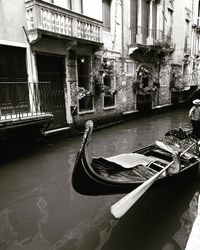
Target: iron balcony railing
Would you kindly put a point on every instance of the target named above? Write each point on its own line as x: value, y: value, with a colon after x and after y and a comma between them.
x: 185, y: 81
x: 144, y: 36
x: 24, y: 99
x: 46, y: 17
x: 191, y: 79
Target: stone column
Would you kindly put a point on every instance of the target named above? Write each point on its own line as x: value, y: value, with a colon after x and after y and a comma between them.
x: 67, y: 87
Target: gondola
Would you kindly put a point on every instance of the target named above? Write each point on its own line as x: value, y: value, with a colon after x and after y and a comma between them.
x: 124, y: 172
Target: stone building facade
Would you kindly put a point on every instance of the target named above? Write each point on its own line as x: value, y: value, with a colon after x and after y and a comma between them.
x: 104, y: 59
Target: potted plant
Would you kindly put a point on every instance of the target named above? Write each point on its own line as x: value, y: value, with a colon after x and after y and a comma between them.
x: 99, y: 71
x: 82, y: 92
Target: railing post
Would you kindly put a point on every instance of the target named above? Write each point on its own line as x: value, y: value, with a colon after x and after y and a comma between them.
x: 74, y: 27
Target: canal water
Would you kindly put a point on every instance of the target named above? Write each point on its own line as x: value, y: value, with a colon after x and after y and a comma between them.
x: 39, y: 209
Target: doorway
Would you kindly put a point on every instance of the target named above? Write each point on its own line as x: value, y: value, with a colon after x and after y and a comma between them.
x: 51, y: 68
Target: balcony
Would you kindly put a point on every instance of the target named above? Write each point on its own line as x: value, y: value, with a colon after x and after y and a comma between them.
x: 47, y: 19
x: 24, y: 108
x: 189, y: 80
x: 184, y: 87
x: 150, y: 38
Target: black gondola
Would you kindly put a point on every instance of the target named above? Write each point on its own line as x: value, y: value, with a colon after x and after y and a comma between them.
x: 123, y: 173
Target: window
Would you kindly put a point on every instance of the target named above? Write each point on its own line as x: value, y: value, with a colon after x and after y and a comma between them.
x: 49, y: 1
x: 106, y: 13
x: 84, y: 93
x: 64, y: 4
x: 13, y: 96
x: 109, y: 100
x: 130, y: 68
x: 169, y: 24
x: 186, y: 68
x: 86, y: 104
x: 187, y: 45
x: 198, y: 44
x: 198, y: 22
x: 77, y: 5
x: 69, y: 4
x: 109, y: 83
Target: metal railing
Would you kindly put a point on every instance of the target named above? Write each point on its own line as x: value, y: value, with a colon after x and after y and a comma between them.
x: 24, y: 99
x: 191, y: 79
x: 185, y: 81
x: 140, y: 35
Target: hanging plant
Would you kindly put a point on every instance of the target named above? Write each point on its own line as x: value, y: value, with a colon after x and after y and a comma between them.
x: 145, y: 91
x: 99, y: 88
x: 176, y: 78
x: 110, y: 92
x: 96, y: 70
x: 101, y: 68
x: 136, y: 85
x: 82, y: 92
x: 140, y: 89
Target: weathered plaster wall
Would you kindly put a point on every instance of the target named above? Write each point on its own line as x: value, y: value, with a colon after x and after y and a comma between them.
x: 179, y: 28
x: 12, y: 20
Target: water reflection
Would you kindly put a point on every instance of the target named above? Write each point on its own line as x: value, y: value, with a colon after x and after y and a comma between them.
x: 91, y: 234
x: 159, y: 221
x: 39, y: 210
x: 9, y: 239
x: 88, y: 234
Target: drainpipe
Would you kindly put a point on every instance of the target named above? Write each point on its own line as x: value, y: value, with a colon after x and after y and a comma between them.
x: 123, y: 59
x: 163, y: 40
x: 32, y: 73
x: 163, y: 19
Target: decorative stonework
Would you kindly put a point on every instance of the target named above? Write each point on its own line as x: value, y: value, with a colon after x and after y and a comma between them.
x: 50, y: 18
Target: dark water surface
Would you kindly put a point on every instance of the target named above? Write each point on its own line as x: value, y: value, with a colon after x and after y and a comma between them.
x: 39, y: 210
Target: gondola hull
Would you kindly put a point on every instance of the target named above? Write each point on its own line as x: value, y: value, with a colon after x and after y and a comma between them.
x: 87, y: 181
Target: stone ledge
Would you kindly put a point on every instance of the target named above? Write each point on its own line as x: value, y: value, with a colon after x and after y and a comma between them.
x: 130, y: 112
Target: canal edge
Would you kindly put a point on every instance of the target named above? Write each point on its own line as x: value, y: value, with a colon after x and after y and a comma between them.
x: 193, y: 242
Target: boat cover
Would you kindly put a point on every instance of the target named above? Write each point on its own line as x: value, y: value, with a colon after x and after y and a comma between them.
x: 131, y: 160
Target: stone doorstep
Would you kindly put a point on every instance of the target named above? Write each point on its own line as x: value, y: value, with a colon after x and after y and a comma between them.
x: 130, y: 112
x: 161, y: 106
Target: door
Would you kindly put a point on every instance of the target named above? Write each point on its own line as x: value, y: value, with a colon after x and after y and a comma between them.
x: 52, y: 69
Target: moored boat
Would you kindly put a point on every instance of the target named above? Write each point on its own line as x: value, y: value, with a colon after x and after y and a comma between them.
x: 124, y: 172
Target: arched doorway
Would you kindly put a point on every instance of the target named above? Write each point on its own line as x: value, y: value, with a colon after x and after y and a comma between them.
x: 144, y: 95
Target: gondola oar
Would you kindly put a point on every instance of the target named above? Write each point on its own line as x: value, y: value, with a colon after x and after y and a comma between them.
x: 123, y: 205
